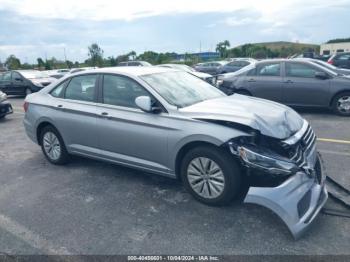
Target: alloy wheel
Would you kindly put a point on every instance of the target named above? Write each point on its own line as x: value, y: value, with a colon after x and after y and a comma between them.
x: 343, y: 104
x: 52, y: 146
x: 206, y: 177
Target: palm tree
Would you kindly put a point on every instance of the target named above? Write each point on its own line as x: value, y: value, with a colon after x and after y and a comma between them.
x: 222, y: 48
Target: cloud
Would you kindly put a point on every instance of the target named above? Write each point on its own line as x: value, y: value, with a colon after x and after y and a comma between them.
x: 133, y: 9
x: 34, y: 28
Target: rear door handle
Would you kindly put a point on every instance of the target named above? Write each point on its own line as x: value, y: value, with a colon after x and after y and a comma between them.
x: 288, y: 81
x: 59, y: 106
x: 251, y: 80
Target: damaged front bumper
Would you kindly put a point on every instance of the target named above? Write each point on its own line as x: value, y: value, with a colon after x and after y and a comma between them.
x: 297, y: 201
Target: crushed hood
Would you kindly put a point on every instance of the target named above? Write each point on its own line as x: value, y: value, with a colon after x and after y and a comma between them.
x: 270, y: 118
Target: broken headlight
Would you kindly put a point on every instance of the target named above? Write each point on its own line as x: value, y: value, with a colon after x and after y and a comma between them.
x: 268, y: 161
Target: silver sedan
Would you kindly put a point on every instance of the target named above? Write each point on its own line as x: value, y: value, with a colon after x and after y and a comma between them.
x: 174, y: 124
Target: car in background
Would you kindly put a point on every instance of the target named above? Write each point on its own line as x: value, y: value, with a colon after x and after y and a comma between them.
x: 134, y: 63
x: 57, y: 73
x: 76, y: 70
x: 341, y: 71
x: 24, y: 82
x: 341, y: 60
x: 206, y: 77
x: 211, y: 68
x: 235, y: 65
x: 292, y: 82
x: 5, y: 106
x: 173, y: 124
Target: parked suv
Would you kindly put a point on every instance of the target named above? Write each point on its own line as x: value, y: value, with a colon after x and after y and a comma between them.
x: 174, y: 124
x: 24, y: 82
x: 292, y: 82
x: 341, y: 60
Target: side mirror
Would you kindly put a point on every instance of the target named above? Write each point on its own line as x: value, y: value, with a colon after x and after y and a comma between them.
x: 18, y: 79
x: 321, y: 75
x: 145, y: 104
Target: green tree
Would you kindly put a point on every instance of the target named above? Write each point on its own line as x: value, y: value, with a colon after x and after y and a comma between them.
x: 12, y: 62
x: 69, y: 64
x: 41, y: 63
x: 222, y: 48
x: 95, y: 55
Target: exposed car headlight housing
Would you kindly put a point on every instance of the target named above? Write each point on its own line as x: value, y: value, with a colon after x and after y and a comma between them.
x: 265, y: 161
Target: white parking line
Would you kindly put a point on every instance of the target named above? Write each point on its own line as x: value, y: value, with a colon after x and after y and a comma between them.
x: 30, y: 237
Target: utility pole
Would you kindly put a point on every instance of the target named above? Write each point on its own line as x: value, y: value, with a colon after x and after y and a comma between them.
x: 64, y: 52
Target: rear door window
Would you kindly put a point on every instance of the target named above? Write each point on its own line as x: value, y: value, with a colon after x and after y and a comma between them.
x: 58, y: 91
x: 271, y: 69
x: 82, y: 88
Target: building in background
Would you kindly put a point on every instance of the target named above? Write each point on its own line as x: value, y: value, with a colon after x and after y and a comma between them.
x: 332, y: 48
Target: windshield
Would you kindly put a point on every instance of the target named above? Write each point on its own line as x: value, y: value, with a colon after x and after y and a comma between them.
x: 34, y: 74
x: 182, y: 89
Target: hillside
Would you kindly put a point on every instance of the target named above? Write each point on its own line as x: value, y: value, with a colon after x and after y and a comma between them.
x: 280, y: 44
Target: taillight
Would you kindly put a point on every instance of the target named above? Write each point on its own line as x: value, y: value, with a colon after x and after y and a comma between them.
x: 25, y: 106
x: 330, y: 61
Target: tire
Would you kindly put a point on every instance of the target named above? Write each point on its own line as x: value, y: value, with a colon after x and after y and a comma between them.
x: 212, y: 188
x: 53, y: 146
x: 341, y: 104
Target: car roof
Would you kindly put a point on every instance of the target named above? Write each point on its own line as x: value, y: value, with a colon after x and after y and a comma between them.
x: 130, y: 70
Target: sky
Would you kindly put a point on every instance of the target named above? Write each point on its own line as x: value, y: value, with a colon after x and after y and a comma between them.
x: 40, y: 28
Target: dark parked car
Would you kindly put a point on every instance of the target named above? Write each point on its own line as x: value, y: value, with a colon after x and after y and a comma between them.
x: 24, y: 82
x: 5, y: 106
x: 341, y: 60
x: 292, y: 82
x: 235, y: 65
x: 210, y: 67
x: 134, y: 63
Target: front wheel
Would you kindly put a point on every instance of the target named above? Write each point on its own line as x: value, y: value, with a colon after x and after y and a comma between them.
x: 211, y: 175
x: 341, y: 104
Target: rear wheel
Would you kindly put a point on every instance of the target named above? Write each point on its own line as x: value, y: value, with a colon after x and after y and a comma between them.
x: 211, y: 175
x: 53, y: 146
x: 341, y: 104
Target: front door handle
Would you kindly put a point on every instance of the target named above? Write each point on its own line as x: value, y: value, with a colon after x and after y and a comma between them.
x: 59, y: 106
x: 251, y: 80
x: 288, y: 81
x: 105, y: 115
